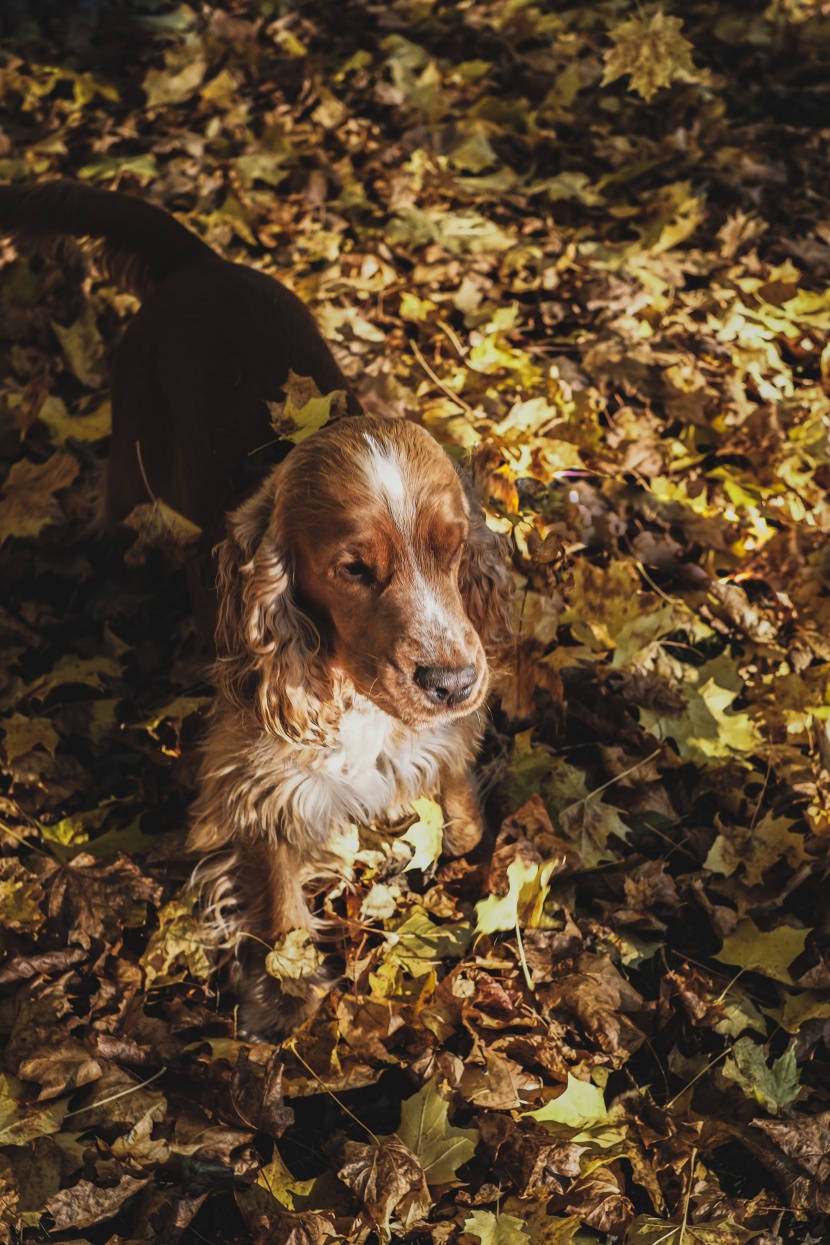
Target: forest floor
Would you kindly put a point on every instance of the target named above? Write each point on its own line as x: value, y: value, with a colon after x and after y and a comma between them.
x: 590, y: 245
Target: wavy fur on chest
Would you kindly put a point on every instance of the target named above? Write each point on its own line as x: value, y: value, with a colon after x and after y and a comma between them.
x: 256, y: 784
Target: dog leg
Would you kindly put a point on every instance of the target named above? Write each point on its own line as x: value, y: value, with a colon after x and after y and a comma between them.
x: 462, y: 809
x: 269, y: 878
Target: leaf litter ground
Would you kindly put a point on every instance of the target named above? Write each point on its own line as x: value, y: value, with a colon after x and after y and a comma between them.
x: 589, y: 246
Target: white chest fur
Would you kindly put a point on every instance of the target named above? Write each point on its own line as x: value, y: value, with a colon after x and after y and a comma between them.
x: 375, y: 766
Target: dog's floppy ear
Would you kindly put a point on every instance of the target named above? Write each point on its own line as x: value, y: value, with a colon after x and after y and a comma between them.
x: 485, y: 582
x: 268, y: 650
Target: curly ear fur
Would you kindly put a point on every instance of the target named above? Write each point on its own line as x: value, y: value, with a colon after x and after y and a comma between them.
x: 267, y: 648
x: 485, y: 582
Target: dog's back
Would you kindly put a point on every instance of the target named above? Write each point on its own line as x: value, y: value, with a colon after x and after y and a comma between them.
x: 212, y: 343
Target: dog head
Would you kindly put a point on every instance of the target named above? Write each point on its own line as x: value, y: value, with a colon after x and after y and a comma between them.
x: 362, y: 560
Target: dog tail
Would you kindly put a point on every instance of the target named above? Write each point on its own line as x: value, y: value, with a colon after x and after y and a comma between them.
x: 140, y: 244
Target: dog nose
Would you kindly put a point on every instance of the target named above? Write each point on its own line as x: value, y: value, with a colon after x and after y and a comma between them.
x: 445, y: 686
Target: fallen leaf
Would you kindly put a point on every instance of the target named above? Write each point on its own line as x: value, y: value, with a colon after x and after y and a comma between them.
x: 524, y: 902
x: 579, y: 1105
x: 21, y: 897
x: 83, y: 348
x: 426, y: 1131
x: 22, y: 733
x: 61, y: 1069
x: 425, y: 836
x: 497, y: 1229
x: 756, y: 849
x: 21, y: 1123
x: 178, y: 947
x: 389, y: 1180
x: 419, y: 942
x: 799, y: 1160
x: 653, y: 51
x: 165, y: 86
x: 775, y: 1088
x: 85, y: 1203
x: 158, y: 526
x: 646, y: 1230
x: 770, y: 953
x: 99, y: 900
x: 257, y: 1093
x: 69, y: 669
x: 29, y: 504
x: 305, y: 410
x: 293, y: 961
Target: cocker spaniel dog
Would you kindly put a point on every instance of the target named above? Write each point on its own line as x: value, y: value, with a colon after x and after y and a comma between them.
x: 361, y: 596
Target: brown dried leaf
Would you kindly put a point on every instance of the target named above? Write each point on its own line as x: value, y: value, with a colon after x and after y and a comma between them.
x: 21, y: 1123
x: 97, y: 900
x: 799, y: 1159
x: 158, y: 526
x: 29, y: 504
x: 61, y: 1069
x: 85, y: 1203
x: 501, y: 1085
x: 256, y: 1091
x: 389, y: 1180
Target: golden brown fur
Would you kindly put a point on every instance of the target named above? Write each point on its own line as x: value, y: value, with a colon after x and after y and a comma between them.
x: 320, y: 719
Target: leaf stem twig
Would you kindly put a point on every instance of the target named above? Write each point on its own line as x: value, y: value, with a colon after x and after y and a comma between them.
x: 445, y: 389
x: 121, y: 1094
x: 291, y: 1045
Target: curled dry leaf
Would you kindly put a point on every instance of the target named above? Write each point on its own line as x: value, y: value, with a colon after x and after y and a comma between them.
x: 158, y: 526
x: 256, y: 1091
x: 390, y: 1181
x: 293, y: 961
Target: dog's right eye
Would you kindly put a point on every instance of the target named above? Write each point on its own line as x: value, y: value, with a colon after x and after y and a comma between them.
x: 356, y: 572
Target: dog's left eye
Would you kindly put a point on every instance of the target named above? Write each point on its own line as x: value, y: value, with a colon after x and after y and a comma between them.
x: 356, y: 572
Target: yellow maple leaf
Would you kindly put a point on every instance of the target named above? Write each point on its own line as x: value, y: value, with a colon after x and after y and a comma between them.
x: 426, y: 836
x: 652, y: 51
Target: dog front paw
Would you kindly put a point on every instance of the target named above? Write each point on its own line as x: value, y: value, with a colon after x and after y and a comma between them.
x: 461, y: 836
x: 464, y: 823
x: 268, y: 1012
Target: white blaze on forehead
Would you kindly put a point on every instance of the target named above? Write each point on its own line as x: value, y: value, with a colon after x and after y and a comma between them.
x: 386, y: 475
